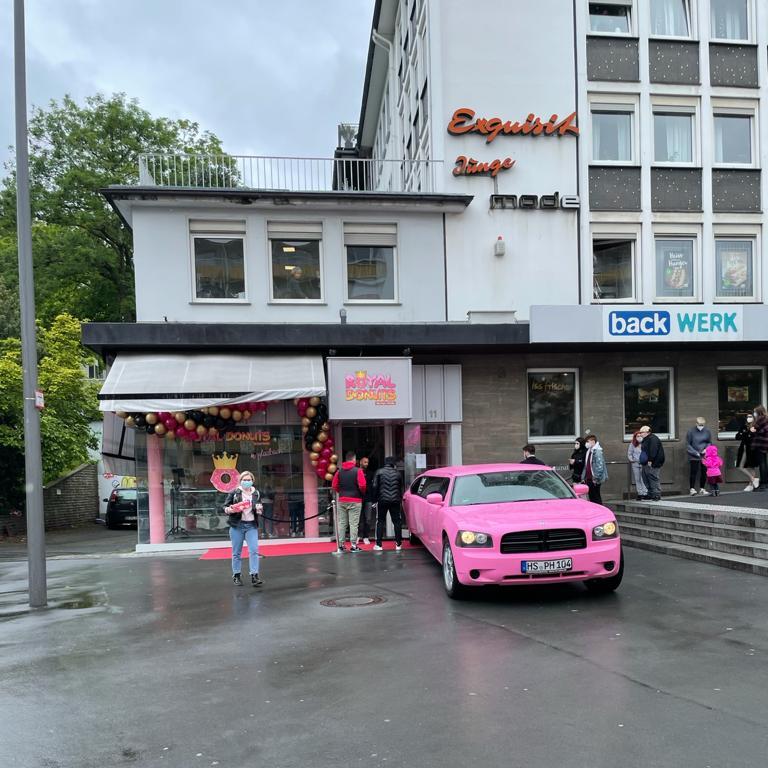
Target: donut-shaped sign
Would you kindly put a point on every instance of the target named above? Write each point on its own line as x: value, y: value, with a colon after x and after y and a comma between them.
x: 225, y: 480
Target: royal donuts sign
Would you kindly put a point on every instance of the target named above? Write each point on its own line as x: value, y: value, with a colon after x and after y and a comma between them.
x: 464, y: 121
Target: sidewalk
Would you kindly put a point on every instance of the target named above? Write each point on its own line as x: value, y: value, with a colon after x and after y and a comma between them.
x: 89, y: 539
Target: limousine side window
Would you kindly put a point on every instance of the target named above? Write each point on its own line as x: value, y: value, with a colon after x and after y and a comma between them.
x: 434, y: 484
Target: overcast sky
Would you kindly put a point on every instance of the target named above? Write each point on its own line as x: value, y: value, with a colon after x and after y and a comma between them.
x: 269, y: 77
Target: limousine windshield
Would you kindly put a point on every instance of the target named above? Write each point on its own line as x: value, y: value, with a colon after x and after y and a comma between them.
x: 505, y: 487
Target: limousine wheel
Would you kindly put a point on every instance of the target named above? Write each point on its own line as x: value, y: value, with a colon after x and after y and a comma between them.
x: 611, y: 584
x: 455, y: 589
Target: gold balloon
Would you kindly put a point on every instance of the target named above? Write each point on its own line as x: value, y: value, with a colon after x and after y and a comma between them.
x: 295, y: 400
x: 328, y: 477
x: 246, y: 414
x: 160, y: 429
x: 322, y: 437
x: 151, y: 418
x: 170, y: 435
x: 201, y: 430
x: 237, y: 415
x: 317, y: 446
x: 213, y: 432
x: 204, y: 411
x: 213, y: 411
x: 304, y: 430
x: 314, y: 462
x: 225, y: 413
x: 180, y: 417
x: 121, y: 414
x: 130, y: 421
x: 190, y: 425
x: 334, y: 459
x: 314, y: 401
x: 305, y: 422
x: 311, y: 412
x: 314, y: 456
x: 332, y: 468
x: 325, y: 427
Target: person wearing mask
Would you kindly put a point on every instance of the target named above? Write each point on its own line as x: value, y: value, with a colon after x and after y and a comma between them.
x: 529, y: 455
x: 595, y: 472
x: 633, y: 457
x: 349, y: 485
x: 242, y: 506
x: 576, y: 462
x: 651, y: 460
x: 759, y: 432
x: 745, y: 458
x: 388, y: 493
x: 367, y: 513
x: 696, y: 442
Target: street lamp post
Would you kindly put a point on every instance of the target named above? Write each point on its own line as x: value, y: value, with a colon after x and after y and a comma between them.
x: 33, y: 464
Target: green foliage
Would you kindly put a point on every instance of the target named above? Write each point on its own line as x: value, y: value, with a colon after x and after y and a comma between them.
x: 70, y: 406
x: 10, y: 317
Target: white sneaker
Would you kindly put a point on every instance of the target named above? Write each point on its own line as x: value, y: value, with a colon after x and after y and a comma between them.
x: 693, y: 491
x: 750, y: 487
x: 377, y: 548
x: 756, y: 482
x: 366, y: 541
x: 704, y: 492
x: 398, y: 547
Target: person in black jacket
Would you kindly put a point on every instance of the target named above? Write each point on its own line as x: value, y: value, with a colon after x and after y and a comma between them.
x: 388, y: 493
x: 242, y: 508
x: 576, y: 462
x: 651, y: 460
x: 745, y: 459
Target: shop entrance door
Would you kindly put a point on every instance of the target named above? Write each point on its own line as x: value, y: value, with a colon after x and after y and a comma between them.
x: 364, y: 440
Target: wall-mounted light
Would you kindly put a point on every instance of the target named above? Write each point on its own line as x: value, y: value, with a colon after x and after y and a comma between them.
x: 499, y: 247
x: 343, y: 316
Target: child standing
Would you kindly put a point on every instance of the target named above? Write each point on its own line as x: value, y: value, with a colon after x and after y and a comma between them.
x: 713, y: 463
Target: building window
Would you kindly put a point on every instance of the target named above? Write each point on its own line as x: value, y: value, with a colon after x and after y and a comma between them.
x: 553, y: 405
x: 95, y: 371
x: 648, y: 400
x: 296, y: 262
x: 612, y: 136
x: 371, y: 261
x: 219, y: 263
x: 613, y: 269
x: 669, y: 18
x: 673, y: 137
x: 739, y: 391
x: 729, y: 19
x: 733, y: 139
x: 612, y: 18
x: 735, y: 264
x: 675, y: 277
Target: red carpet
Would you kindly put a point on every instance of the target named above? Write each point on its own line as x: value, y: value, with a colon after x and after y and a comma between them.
x: 291, y: 548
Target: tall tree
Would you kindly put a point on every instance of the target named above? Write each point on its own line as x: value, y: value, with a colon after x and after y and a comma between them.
x: 79, y: 244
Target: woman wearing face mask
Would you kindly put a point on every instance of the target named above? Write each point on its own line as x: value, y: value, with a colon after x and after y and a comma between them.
x: 576, y: 461
x: 242, y: 507
x: 745, y: 459
x: 633, y: 456
x: 759, y: 432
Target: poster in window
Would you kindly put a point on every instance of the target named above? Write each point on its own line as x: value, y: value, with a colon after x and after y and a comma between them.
x: 738, y: 394
x: 734, y: 268
x: 648, y: 395
x: 678, y: 270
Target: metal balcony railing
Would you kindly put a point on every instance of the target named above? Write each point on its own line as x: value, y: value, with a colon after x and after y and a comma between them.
x: 288, y: 174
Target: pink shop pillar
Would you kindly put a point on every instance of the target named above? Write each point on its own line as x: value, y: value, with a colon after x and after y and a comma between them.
x: 311, y: 526
x: 155, y: 488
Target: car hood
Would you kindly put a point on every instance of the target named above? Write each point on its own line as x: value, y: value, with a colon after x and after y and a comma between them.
x: 522, y: 515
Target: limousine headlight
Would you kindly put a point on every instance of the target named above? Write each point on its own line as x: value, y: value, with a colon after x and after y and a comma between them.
x: 607, y: 530
x: 473, y: 539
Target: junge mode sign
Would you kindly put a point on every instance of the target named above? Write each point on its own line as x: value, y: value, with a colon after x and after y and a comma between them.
x: 673, y: 323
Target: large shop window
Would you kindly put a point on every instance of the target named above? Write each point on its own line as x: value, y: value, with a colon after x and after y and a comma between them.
x: 371, y: 261
x: 669, y: 18
x: 219, y: 260
x: 613, y: 266
x: 733, y: 139
x: 648, y: 400
x: 612, y: 135
x: 553, y: 405
x: 675, y: 265
x: 739, y: 390
x: 296, y: 260
x: 729, y: 19
x: 672, y: 136
x: 735, y: 264
x: 613, y: 17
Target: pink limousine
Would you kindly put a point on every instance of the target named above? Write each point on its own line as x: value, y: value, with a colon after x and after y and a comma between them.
x: 513, y: 524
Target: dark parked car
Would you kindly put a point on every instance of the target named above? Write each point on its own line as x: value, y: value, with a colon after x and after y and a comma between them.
x: 121, y: 508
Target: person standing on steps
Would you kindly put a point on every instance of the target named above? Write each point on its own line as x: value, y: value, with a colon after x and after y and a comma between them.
x: 241, y: 507
x: 576, y: 462
x: 595, y: 472
x: 651, y: 460
x: 349, y: 485
x: 388, y: 493
x: 745, y: 458
x: 633, y: 457
x: 696, y: 442
x: 759, y: 432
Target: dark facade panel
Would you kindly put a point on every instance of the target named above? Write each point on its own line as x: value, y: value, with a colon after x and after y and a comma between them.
x: 613, y: 58
x: 614, y: 188
x: 674, y: 61
x: 733, y: 65
x: 675, y: 189
x: 736, y: 191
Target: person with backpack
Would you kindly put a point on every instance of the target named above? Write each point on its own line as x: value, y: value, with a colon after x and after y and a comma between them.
x: 388, y: 493
x: 349, y: 485
x: 651, y: 460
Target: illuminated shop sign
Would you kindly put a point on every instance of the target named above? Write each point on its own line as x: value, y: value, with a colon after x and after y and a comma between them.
x: 673, y: 324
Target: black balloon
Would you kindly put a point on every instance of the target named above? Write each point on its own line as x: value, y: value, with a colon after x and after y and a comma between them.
x: 150, y: 429
x: 208, y: 421
x: 219, y: 423
x: 197, y: 416
x: 322, y: 412
x: 141, y: 421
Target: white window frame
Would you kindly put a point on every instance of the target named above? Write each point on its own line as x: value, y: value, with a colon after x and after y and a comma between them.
x: 677, y: 107
x: 395, y: 266
x: 632, y: 20
x: 737, y: 108
x: 750, y: 39
x: 299, y: 236
x: 629, y: 232
x: 690, y: 13
x: 577, y: 406
x: 671, y: 435
x: 739, y: 232
x: 763, y: 392
x: 215, y: 229
x: 679, y: 232
x: 625, y: 103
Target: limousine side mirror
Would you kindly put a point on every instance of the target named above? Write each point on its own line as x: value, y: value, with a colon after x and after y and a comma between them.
x: 580, y: 489
x: 434, y: 498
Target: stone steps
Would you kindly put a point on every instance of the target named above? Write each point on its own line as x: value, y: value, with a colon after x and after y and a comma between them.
x: 700, y: 527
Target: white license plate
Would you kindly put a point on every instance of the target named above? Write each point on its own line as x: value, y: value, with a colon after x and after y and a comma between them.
x: 547, y: 566
x: 130, y: 519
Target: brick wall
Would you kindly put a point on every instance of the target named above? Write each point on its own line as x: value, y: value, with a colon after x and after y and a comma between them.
x: 72, y: 499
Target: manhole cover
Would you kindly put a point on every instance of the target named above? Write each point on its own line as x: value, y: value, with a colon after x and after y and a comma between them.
x: 353, y: 601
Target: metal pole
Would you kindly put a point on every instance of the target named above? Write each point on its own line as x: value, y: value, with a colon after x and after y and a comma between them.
x: 32, y: 457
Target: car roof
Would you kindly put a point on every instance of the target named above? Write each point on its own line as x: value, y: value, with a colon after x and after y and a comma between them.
x: 476, y: 469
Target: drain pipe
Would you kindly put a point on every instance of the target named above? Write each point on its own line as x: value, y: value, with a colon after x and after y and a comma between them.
x: 388, y: 46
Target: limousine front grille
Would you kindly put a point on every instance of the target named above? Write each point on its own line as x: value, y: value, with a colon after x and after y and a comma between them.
x: 547, y: 540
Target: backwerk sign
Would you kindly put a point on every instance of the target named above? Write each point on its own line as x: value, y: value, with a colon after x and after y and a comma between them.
x: 673, y: 323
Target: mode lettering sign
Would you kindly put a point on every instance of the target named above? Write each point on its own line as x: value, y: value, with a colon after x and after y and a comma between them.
x: 673, y: 324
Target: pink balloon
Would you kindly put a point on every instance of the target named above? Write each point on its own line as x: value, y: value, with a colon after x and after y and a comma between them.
x: 323, y: 463
x: 303, y: 403
x: 326, y: 452
x: 170, y: 424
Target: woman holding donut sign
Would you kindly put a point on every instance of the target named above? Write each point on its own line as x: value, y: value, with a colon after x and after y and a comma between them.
x: 242, y: 506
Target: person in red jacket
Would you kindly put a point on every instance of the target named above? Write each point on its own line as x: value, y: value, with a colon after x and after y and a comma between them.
x: 349, y: 484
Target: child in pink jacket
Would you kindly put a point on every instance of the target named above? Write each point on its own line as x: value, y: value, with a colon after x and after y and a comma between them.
x: 713, y: 462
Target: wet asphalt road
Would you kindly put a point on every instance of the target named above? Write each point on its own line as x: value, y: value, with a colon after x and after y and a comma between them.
x: 160, y: 661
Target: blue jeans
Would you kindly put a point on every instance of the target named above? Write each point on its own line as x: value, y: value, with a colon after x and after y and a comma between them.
x: 249, y: 533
